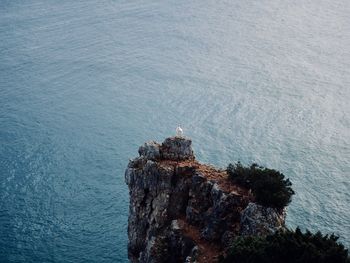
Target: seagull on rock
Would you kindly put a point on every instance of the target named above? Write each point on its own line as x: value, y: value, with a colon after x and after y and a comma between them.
x: 179, y: 131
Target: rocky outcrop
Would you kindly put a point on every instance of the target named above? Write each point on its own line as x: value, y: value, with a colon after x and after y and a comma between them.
x: 184, y: 211
x: 177, y: 148
x: 173, y: 148
x: 259, y: 220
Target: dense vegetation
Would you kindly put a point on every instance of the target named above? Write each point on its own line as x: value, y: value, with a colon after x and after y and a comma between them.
x: 269, y: 186
x: 288, y: 246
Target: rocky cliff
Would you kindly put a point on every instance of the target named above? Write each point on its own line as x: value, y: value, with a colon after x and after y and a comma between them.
x: 184, y: 211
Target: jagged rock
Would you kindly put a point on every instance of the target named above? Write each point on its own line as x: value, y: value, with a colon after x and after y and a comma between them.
x: 150, y: 150
x: 158, y: 193
x: 177, y: 148
x: 199, y: 200
x: 167, y: 186
x: 223, y: 215
x: 169, y: 246
x: 259, y: 220
x: 173, y: 148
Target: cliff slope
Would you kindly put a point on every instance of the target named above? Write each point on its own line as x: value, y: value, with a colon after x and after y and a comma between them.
x: 184, y: 211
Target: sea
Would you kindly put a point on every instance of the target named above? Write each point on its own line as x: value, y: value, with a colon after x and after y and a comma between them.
x: 84, y: 83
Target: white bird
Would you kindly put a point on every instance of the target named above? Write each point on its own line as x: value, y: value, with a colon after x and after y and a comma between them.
x: 179, y: 131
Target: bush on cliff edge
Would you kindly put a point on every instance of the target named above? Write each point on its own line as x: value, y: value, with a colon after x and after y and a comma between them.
x: 269, y: 186
x: 287, y: 247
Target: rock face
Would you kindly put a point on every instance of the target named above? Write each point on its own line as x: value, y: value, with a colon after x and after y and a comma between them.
x: 184, y: 211
x: 177, y: 148
x: 173, y: 148
x: 259, y: 220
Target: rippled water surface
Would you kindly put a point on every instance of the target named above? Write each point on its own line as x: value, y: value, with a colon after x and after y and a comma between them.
x: 84, y: 83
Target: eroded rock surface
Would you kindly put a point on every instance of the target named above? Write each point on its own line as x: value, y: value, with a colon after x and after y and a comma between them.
x: 184, y: 211
x: 259, y: 220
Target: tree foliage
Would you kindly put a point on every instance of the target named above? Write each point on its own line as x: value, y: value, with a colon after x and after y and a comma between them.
x: 289, y: 246
x: 269, y: 186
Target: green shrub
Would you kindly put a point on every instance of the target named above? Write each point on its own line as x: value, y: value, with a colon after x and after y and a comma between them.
x: 269, y: 186
x: 288, y: 247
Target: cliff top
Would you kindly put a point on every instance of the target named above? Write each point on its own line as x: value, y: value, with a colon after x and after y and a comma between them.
x: 173, y: 148
x: 177, y: 152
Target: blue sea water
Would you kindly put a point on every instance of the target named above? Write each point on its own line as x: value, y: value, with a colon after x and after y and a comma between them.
x: 84, y: 83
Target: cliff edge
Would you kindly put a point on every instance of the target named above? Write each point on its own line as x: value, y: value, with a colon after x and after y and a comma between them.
x: 184, y: 211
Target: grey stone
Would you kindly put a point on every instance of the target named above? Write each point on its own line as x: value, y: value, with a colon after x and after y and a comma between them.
x: 162, y: 192
x: 177, y: 149
x: 150, y: 150
x: 259, y: 220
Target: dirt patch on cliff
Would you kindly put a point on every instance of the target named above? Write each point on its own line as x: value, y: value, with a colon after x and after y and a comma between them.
x: 220, y: 176
x: 208, y: 251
